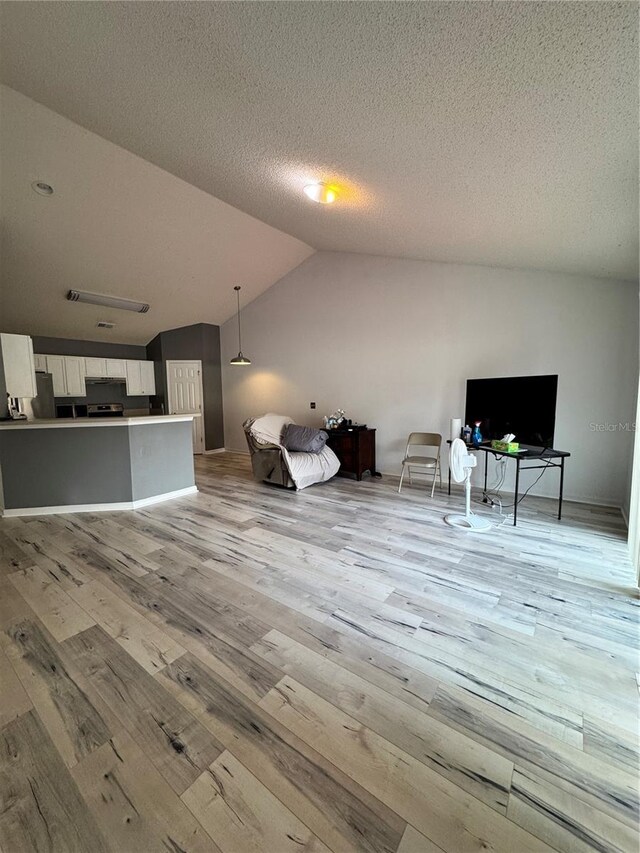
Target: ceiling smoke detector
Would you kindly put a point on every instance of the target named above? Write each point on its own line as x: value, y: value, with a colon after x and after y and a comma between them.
x: 42, y: 188
x: 105, y: 324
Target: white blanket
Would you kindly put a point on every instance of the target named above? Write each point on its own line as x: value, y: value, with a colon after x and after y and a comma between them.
x: 268, y: 428
x: 306, y: 469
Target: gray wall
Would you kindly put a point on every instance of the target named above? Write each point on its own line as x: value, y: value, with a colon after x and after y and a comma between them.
x: 91, y: 349
x: 4, y: 405
x: 154, y: 353
x: 161, y: 458
x: 200, y: 342
x: 54, y: 467
x: 94, y: 465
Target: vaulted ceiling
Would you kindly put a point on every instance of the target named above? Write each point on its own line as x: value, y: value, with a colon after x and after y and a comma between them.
x: 492, y: 133
x: 119, y: 225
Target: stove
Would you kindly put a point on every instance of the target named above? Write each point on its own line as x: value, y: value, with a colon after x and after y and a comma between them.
x: 105, y: 410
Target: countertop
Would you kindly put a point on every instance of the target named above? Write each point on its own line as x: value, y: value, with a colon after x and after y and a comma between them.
x: 74, y: 423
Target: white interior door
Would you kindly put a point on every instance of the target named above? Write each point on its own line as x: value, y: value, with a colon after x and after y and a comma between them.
x: 184, y: 393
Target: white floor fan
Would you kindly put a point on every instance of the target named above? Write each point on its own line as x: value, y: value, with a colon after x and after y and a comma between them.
x: 461, y: 464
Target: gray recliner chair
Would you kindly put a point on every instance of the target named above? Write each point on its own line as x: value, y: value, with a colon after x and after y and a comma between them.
x: 266, y: 460
x: 273, y: 463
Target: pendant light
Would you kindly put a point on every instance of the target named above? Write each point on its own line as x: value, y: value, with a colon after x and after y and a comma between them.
x: 239, y: 359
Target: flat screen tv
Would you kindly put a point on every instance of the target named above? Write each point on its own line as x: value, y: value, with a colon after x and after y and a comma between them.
x: 523, y: 405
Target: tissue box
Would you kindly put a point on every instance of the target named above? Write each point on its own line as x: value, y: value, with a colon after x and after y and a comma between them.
x: 506, y: 446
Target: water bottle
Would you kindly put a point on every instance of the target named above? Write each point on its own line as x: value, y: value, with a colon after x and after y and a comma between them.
x: 466, y: 434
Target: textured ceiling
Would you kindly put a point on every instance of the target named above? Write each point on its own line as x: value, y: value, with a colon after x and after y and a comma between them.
x: 118, y: 225
x: 494, y: 133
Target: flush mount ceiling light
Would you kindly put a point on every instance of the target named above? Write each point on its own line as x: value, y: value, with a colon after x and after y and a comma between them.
x: 109, y: 301
x: 321, y: 192
x: 239, y: 359
x: 42, y: 188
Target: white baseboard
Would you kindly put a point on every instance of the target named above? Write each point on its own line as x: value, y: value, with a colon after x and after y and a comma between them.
x: 167, y: 496
x: 508, y: 492
x: 215, y: 450
x: 114, y: 507
x: 624, y: 516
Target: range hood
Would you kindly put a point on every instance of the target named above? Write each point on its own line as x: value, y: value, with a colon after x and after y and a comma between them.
x: 106, y: 380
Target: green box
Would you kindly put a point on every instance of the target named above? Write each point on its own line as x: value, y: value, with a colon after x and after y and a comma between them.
x: 506, y: 446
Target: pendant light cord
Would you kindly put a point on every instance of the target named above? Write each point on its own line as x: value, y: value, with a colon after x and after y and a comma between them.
x: 237, y: 289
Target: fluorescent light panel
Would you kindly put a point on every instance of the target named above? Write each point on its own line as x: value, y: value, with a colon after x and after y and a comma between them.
x: 109, y: 301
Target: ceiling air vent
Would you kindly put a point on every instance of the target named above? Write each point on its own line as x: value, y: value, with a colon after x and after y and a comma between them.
x: 105, y: 324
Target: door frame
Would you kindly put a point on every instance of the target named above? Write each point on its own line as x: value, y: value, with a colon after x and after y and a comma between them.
x: 197, y: 361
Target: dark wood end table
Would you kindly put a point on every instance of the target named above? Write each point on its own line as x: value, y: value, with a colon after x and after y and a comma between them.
x: 356, y: 450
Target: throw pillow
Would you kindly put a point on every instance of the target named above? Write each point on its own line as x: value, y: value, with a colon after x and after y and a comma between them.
x: 304, y: 439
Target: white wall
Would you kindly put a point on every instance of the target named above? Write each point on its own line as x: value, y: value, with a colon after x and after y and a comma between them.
x: 633, y: 509
x: 392, y: 342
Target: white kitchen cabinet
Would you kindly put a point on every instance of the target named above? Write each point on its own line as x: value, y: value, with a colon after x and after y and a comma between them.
x: 18, y: 365
x: 116, y: 368
x: 69, y: 372
x: 141, y: 380
x: 68, y: 375
x: 95, y: 367
x: 74, y: 370
x: 99, y: 368
x: 134, y: 378
x: 55, y: 366
x: 147, y: 378
x: 40, y: 363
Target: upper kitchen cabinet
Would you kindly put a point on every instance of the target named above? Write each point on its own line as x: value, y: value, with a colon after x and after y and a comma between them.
x: 134, y: 379
x: 116, y: 368
x: 104, y: 368
x: 68, y: 375
x: 141, y: 380
x: 70, y: 371
x: 40, y: 362
x: 95, y: 367
x: 18, y: 365
x: 74, y: 370
x: 148, y: 378
x: 55, y: 366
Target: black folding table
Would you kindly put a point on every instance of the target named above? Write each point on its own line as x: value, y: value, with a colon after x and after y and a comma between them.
x: 547, y: 457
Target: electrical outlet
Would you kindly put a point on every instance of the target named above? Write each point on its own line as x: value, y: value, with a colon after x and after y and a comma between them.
x: 312, y: 405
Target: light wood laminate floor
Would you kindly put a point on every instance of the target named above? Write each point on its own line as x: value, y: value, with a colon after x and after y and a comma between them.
x: 253, y: 669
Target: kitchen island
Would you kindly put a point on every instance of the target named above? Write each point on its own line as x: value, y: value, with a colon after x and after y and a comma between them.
x: 85, y: 465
